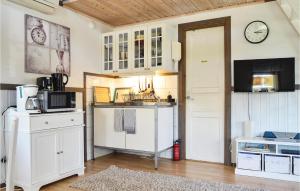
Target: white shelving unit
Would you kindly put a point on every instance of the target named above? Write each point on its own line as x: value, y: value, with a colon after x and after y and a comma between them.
x: 265, y: 158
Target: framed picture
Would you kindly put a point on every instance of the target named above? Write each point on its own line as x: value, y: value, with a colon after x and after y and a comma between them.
x: 122, y: 95
x: 101, y: 95
x: 47, y: 47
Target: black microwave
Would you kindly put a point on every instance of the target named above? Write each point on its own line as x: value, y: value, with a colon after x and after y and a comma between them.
x: 56, y: 101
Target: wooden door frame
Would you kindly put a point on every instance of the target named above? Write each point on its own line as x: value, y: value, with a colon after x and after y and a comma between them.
x: 182, y: 30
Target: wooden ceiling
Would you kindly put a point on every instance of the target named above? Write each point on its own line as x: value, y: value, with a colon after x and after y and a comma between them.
x: 123, y: 12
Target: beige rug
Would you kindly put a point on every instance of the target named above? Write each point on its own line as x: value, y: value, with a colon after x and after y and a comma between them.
x: 119, y: 179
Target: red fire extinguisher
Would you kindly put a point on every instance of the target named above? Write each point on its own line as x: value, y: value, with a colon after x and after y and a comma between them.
x: 176, y: 150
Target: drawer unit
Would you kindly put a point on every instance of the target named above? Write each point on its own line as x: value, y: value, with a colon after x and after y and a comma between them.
x: 296, y: 166
x: 49, y: 121
x: 277, y: 164
x: 249, y: 161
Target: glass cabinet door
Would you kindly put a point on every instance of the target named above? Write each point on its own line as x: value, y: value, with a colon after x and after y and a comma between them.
x: 108, y: 52
x: 123, y: 51
x: 156, y: 47
x: 139, y: 48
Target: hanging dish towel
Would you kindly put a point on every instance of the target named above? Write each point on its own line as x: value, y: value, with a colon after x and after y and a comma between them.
x: 129, y: 120
x: 118, y: 120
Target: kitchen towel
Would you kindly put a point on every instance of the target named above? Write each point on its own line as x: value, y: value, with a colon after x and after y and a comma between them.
x: 129, y: 120
x: 118, y: 120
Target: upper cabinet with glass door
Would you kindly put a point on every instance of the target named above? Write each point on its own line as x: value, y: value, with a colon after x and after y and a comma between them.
x: 108, y: 52
x: 160, y: 48
x: 140, y: 48
x: 124, y: 50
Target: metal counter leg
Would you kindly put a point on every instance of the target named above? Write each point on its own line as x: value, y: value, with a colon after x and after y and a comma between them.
x: 156, y: 160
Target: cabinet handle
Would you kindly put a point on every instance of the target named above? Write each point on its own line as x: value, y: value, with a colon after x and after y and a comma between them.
x: 58, y: 153
x: 46, y: 122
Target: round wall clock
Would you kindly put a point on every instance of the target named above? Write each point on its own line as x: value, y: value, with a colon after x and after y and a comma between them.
x: 38, y: 34
x: 256, y: 32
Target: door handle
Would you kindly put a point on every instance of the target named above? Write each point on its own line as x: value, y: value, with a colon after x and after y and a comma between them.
x: 189, y: 98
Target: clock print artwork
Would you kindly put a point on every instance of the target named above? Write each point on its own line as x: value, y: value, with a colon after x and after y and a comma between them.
x: 47, y: 47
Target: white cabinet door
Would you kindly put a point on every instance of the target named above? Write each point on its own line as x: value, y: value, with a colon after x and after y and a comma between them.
x: 44, y: 156
x: 139, y: 46
x: 71, y: 149
x: 104, y: 133
x: 123, y: 50
x: 160, y: 48
x: 156, y: 47
x: 108, y: 52
x: 143, y: 139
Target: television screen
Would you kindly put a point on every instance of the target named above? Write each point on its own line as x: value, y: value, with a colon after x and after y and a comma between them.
x: 264, y: 75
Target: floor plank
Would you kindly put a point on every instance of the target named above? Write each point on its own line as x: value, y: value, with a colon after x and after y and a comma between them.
x: 192, y: 169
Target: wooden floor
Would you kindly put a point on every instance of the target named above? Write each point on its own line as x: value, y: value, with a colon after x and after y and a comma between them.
x: 191, y: 169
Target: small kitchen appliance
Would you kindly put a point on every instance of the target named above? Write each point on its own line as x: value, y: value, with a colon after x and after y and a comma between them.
x: 27, y: 99
x: 57, y: 101
x: 58, y: 82
x: 44, y: 83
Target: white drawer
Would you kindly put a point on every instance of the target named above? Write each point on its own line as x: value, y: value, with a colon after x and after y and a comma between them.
x: 277, y: 164
x: 249, y: 161
x: 49, y: 121
x: 296, y: 166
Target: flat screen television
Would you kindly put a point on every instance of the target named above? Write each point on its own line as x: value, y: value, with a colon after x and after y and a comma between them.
x: 264, y: 75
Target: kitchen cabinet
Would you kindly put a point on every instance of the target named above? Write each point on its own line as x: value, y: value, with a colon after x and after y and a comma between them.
x: 47, y: 150
x: 146, y: 49
x: 153, y: 134
x: 143, y: 139
x: 123, y: 50
x: 160, y: 38
x: 140, y: 48
x: 108, y: 52
x: 104, y: 132
x: 44, y: 148
x: 71, y: 151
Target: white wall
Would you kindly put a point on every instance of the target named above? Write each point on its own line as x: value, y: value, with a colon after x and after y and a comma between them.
x: 85, y: 50
x: 85, y: 43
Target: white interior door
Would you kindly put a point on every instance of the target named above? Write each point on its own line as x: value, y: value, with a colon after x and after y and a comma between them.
x: 205, y: 94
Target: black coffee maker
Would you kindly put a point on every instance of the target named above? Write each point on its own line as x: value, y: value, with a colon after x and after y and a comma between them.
x: 44, y: 83
x: 58, y: 82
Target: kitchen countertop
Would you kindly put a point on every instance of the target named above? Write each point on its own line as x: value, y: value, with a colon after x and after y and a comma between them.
x: 132, y: 106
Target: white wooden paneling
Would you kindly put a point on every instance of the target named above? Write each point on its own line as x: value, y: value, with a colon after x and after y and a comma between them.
x: 7, y: 98
x: 268, y: 111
